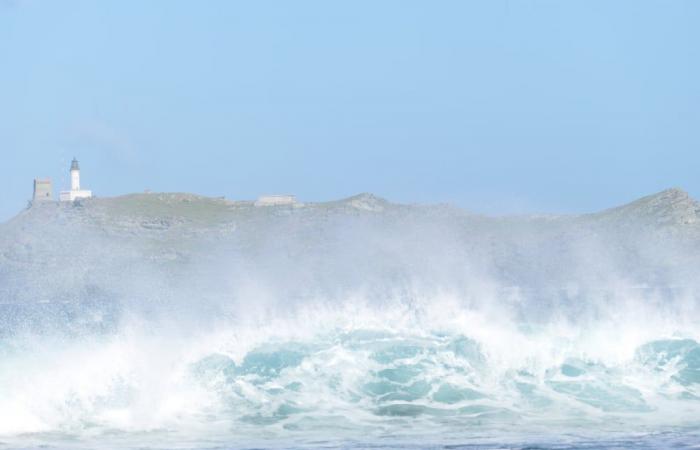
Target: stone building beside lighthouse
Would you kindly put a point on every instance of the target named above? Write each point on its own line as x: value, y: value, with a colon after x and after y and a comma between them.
x: 43, y: 190
x: 75, y: 191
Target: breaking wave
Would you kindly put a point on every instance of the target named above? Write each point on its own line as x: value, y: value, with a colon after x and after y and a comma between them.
x: 353, y: 323
x: 408, y: 366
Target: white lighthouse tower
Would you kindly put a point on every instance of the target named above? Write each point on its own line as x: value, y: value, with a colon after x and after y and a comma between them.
x: 74, y: 175
x: 75, y: 191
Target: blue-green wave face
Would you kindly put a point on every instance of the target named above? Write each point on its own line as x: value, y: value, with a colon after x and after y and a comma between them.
x: 431, y: 369
x: 443, y: 379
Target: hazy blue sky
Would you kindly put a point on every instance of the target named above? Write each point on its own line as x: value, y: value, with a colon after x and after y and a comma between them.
x: 496, y: 106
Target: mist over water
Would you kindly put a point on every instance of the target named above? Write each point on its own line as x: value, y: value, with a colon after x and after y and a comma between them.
x: 358, y: 323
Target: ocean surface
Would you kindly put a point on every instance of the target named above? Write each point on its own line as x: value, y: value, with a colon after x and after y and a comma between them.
x: 400, y: 373
x: 174, y: 321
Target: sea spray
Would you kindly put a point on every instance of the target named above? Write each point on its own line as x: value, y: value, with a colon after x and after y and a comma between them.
x: 333, y: 324
x: 358, y: 369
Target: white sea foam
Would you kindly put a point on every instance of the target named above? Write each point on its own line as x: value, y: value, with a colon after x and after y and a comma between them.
x: 332, y: 327
x: 359, y: 367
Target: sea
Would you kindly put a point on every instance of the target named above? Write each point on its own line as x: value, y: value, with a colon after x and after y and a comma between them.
x: 398, y: 370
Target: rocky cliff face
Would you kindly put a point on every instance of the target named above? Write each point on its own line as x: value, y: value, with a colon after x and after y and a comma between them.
x: 672, y: 207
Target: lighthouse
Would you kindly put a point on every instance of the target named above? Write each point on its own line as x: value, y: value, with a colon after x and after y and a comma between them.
x: 75, y: 191
x: 74, y: 175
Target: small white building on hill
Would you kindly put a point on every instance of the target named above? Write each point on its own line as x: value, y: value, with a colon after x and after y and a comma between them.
x: 75, y: 191
x: 275, y: 200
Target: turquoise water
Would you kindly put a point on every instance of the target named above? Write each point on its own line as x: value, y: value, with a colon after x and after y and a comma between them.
x: 431, y: 373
